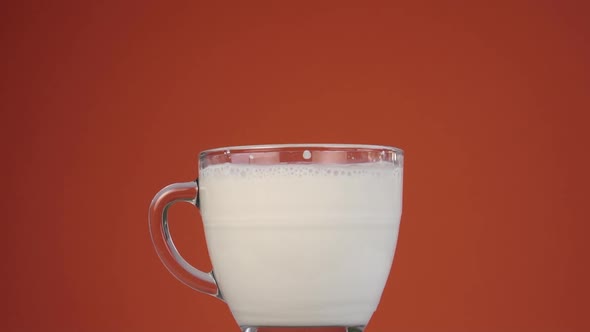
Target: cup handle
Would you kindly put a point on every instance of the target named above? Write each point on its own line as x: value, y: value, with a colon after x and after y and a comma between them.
x: 162, y: 240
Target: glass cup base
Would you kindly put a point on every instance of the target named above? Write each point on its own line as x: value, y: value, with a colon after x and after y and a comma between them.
x: 303, y: 329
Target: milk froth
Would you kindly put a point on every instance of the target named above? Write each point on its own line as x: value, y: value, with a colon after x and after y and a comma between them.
x: 301, y: 244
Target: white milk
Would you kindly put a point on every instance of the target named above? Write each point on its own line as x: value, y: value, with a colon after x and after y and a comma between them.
x: 301, y: 245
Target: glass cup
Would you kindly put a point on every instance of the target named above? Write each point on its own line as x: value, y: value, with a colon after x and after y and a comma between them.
x: 298, y: 235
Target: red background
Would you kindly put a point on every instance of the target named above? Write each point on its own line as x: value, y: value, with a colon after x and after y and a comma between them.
x: 105, y: 103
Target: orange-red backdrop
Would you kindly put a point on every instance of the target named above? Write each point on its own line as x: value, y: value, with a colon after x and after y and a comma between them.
x: 105, y: 103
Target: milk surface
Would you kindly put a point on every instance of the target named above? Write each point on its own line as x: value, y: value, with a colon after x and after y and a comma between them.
x: 301, y: 244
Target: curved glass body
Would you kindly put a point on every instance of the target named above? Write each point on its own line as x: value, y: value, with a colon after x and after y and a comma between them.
x: 298, y: 235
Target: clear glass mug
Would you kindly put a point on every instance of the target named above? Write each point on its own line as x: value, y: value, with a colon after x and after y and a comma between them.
x: 298, y: 235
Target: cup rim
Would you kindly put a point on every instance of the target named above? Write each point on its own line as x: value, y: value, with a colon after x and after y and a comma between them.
x: 274, y: 147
